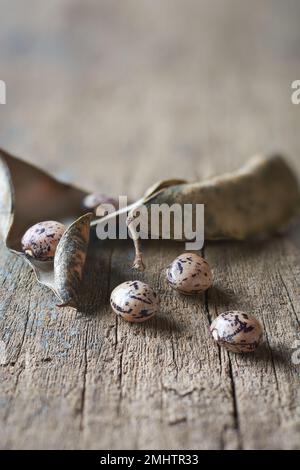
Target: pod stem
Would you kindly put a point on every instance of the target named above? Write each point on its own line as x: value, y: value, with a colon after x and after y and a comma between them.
x: 103, y: 220
x: 138, y: 262
x: 138, y: 259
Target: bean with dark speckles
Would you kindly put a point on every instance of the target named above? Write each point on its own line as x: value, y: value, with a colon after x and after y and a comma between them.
x: 189, y: 274
x: 134, y: 301
x: 40, y: 240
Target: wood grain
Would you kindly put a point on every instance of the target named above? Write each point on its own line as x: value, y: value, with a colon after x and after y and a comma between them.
x: 116, y: 95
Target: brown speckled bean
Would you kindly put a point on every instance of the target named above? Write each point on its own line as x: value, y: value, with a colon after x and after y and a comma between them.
x: 237, y: 331
x: 40, y: 240
x: 134, y: 301
x: 189, y: 274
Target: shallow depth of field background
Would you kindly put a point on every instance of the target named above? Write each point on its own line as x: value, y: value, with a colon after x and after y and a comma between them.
x: 159, y: 84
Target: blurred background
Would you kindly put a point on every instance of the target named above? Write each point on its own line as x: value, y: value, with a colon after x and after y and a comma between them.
x: 102, y: 91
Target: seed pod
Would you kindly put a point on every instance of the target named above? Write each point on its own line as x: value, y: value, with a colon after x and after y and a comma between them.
x: 237, y: 331
x: 40, y: 240
x: 260, y: 198
x: 134, y: 301
x: 189, y: 274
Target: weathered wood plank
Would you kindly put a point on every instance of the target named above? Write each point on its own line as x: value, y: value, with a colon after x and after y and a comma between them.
x: 265, y: 384
x: 115, y: 95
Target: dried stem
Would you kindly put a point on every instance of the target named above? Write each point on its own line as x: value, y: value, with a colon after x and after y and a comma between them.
x: 151, y: 193
x: 138, y: 260
x: 129, y: 208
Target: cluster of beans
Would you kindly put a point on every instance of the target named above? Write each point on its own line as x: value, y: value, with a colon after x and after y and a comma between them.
x: 188, y: 274
x: 136, y: 301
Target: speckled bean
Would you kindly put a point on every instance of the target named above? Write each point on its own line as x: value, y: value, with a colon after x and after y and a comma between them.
x: 189, y: 274
x: 134, y: 301
x: 237, y: 331
x: 40, y: 240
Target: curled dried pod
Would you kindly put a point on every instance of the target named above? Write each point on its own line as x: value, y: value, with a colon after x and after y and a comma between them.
x: 189, y: 274
x: 134, y: 301
x: 260, y: 198
x: 237, y: 331
x: 40, y: 241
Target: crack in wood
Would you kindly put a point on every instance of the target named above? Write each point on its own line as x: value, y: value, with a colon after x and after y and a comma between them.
x: 120, y: 385
x: 84, y: 385
x: 235, y: 405
x: 290, y: 299
x: 272, y: 361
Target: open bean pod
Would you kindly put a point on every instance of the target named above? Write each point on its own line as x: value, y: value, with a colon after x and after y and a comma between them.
x: 29, y: 195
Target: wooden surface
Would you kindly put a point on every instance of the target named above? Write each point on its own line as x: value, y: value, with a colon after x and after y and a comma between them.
x: 114, y: 96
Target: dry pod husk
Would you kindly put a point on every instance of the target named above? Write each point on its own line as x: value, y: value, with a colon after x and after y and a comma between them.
x: 29, y: 195
x: 259, y: 199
